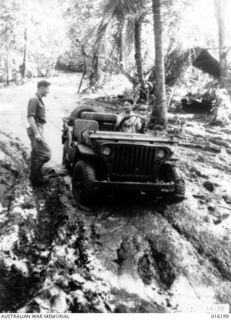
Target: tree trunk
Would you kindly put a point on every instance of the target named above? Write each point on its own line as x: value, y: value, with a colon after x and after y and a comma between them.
x: 84, y: 71
x: 24, y: 64
x: 221, y: 6
x: 94, y: 76
x: 159, y: 112
x: 218, y: 110
x: 121, y: 58
x: 7, y: 52
x: 138, y: 54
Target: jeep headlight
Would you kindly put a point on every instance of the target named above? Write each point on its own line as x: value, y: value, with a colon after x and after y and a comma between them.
x: 160, y: 154
x: 106, y: 151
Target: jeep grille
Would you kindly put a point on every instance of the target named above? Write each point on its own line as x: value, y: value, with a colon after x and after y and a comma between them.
x: 133, y: 161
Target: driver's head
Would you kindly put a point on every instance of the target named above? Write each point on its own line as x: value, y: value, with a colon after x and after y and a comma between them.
x: 128, y: 105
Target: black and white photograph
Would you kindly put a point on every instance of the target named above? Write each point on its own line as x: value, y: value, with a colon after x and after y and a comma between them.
x: 115, y: 158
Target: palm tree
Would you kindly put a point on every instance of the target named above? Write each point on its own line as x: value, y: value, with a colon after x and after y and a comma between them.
x: 159, y: 106
x: 221, y: 7
x: 129, y: 14
x: 138, y: 50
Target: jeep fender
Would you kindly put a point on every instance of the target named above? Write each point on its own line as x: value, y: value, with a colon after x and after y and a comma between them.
x: 83, y: 152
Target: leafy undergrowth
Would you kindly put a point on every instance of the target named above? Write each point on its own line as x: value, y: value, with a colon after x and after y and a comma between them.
x: 127, y: 254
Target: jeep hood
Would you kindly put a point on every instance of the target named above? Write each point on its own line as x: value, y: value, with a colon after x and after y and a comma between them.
x: 123, y: 136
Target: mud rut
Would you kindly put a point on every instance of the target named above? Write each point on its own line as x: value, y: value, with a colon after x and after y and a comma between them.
x: 126, y: 255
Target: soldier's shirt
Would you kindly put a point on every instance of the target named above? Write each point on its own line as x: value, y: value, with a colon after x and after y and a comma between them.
x: 36, y: 109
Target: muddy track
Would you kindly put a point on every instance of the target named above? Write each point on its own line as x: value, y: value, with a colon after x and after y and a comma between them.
x: 124, y: 255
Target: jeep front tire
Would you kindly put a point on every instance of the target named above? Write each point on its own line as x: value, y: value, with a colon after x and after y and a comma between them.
x: 65, y: 161
x: 169, y: 173
x: 83, y: 183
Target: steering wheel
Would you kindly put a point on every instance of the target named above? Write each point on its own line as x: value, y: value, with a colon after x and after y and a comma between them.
x: 121, y: 125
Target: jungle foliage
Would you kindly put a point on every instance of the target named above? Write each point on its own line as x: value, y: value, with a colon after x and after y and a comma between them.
x: 147, y: 41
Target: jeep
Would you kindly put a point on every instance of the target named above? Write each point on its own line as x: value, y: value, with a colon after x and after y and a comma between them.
x: 102, y: 157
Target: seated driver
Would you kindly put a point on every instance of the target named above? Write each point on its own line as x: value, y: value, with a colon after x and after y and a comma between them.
x: 133, y: 124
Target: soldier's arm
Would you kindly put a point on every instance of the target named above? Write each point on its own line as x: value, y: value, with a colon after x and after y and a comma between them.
x: 32, y: 106
x: 34, y: 127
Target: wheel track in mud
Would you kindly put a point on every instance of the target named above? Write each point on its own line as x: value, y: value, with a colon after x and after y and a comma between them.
x: 205, y: 244
x: 81, y: 237
x: 58, y: 211
x: 158, y: 262
x: 13, y: 168
x: 27, y: 228
x: 36, y: 252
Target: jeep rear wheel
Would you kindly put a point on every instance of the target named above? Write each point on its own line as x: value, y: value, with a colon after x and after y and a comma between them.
x: 169, y: 173
x: 82, y: 183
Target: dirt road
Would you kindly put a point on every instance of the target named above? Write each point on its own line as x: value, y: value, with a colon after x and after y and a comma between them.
x: 60, y: 101
x: 126, y: 254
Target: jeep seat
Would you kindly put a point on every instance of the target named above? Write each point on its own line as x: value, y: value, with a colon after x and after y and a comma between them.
x: 106, y: 121
x: 81, y: 125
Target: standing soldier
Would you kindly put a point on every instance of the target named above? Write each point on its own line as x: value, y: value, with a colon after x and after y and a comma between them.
x: 40, y: 153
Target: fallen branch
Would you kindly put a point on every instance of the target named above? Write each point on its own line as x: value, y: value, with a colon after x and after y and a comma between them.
x: 198, y: 146
x: 191, y: 145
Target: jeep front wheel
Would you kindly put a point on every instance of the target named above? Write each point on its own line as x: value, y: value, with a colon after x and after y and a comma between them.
x: 65, y: 161
x: 169, y: 173
x: 83, y: 183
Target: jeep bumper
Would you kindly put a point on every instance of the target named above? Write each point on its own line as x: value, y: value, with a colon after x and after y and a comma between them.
x: 135, y: 186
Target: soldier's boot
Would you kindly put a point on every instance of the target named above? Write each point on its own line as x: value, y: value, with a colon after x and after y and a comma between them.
x: 36, y: 176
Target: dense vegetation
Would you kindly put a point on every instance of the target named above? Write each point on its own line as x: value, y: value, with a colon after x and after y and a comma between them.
x: 147, y: 41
